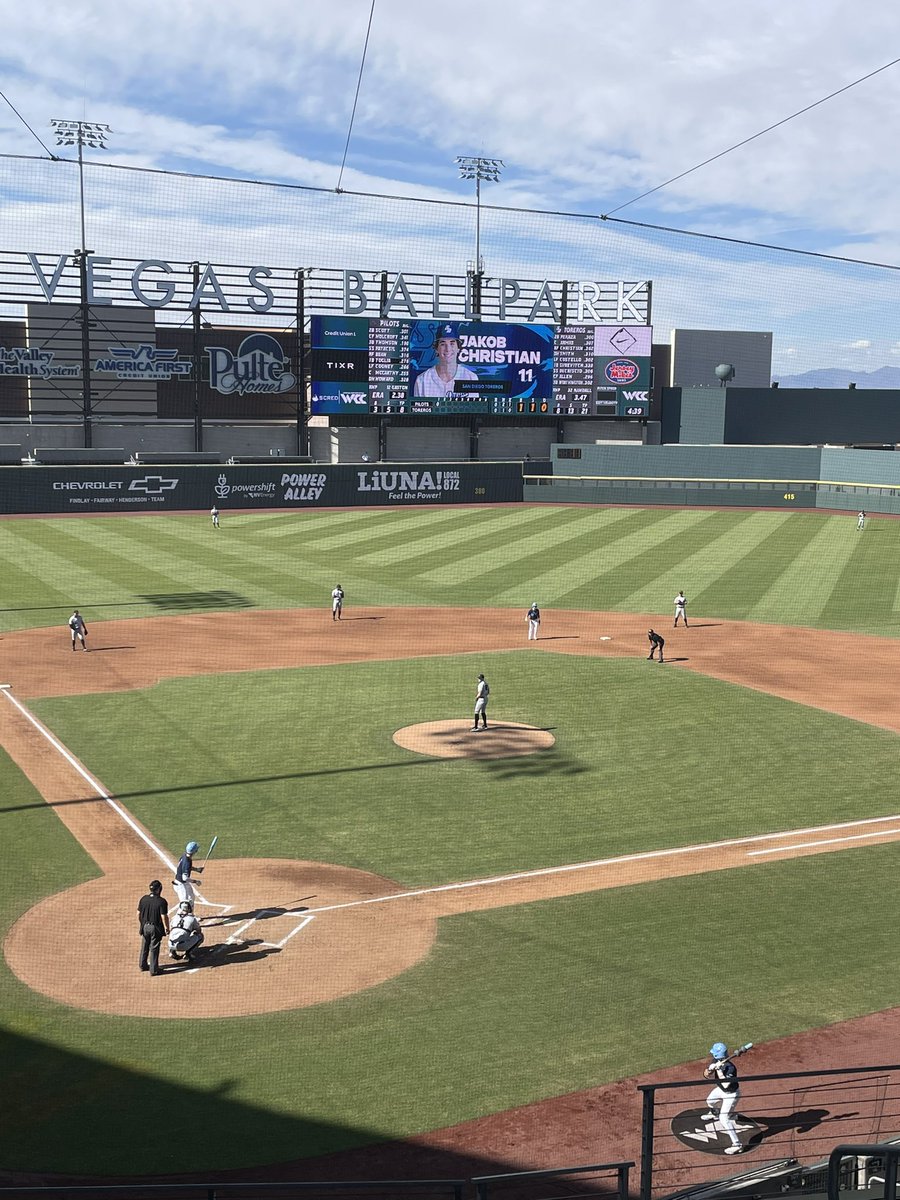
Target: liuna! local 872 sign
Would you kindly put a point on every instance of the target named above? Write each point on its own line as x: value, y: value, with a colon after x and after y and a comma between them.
x: 498, y: 368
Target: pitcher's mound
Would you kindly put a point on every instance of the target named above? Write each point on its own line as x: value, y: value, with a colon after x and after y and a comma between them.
x: 455, y: 739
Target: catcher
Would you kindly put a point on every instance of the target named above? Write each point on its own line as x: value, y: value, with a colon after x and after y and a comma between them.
x: 726, y: 1093
x: 185, y: 934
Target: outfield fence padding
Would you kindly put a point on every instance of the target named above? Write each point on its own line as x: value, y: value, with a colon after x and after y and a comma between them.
x: 173, y: 487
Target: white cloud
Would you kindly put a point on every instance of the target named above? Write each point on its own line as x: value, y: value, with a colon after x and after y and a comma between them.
x: 587, y: 104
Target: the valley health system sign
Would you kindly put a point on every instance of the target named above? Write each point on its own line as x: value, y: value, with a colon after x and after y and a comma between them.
x: 350, y: 292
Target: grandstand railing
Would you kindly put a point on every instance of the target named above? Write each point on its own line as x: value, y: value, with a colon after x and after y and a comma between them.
x: 791, y: 1117
x: 601, y: 1180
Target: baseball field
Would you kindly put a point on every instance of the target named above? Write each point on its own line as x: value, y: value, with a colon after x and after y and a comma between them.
x: 409, y: 925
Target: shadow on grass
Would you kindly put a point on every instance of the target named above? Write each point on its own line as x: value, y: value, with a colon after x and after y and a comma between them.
x: 543, y: 762
x: 56, y: 1144
x: 179, y: 601
x: 222, y: 783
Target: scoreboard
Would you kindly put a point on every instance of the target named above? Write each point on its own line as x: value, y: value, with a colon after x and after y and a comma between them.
x: 434, y: 367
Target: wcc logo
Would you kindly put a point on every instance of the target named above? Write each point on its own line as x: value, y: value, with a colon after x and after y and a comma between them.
x: 259, y: 367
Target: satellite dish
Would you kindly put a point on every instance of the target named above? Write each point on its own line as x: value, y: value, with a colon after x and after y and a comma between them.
x: 724, y: 373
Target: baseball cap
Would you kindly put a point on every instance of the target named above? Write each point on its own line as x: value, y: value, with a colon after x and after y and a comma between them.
x: 447, y: 331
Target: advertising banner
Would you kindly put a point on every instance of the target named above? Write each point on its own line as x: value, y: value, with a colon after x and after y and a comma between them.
x: 172, y: 488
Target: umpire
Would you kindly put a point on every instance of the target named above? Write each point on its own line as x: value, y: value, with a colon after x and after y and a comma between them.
x: 153, y: 925
x: 657, y: 641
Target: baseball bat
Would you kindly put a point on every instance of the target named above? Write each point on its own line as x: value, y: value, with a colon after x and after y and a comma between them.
x: 212, y: 846
x: 740, y: 1050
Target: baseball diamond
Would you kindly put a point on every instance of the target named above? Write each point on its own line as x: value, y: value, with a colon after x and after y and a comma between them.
x: 381, y: 869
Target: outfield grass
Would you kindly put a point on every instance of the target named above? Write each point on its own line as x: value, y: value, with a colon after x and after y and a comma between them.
x: 793, y: 568
x: 513, y: 1004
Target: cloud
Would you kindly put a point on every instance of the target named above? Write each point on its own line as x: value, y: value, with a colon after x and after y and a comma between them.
x: 860, y: 344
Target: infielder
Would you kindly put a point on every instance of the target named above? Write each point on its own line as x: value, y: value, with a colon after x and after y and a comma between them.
x: 184, y: 888
x: 481, y: 698
x: 533, y: 617
x: 725, y: 1094
x: 337, y: 603
x: 680, y: 604
x: 657, y: 641
x: 78, y: 628
x: 860, y: 520
x: 214, y: 514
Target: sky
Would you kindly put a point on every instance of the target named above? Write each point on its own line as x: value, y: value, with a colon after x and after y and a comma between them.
x: 587, y: 104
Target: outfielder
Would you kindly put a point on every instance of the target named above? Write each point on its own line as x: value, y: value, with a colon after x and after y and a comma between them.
x: 533, y: 617
x: 184, y: 888
x: 860, y: 520
x: 481, y: 698
x: 78, y: 628
x: 337, y: 603
x: 214, y: 514
x: 725, y: 1094
x: 680, y: 604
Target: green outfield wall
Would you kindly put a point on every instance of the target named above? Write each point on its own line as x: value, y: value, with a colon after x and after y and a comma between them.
x: 733, y: 476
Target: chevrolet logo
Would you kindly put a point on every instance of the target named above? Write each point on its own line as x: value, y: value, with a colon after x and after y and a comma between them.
x: 153, y: 485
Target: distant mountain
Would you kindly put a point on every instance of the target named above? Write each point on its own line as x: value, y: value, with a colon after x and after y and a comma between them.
x: 837, y: 377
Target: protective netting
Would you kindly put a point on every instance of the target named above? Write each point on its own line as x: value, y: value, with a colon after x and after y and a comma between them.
x: 808, y: 301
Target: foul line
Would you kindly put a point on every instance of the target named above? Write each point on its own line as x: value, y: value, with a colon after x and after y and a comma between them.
x: 102, y: 793
x: 856, y: 837
x: 644, y: 856
x: 87, y: 777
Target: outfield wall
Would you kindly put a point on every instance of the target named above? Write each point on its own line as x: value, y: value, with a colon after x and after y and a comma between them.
x: 181, y: 487
x: 788, y: 477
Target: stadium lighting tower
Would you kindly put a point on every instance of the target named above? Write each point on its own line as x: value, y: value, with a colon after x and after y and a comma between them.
x: 81, y: 134
x: 478, y: 168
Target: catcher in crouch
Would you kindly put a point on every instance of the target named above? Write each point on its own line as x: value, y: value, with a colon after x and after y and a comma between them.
x: 726, y: 1093
x: 185, y: 934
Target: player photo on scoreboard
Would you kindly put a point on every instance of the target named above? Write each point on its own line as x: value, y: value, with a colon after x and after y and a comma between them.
x: 480, y: 359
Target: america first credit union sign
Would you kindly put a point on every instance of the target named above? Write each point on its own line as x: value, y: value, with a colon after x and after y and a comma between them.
x: 259, y: 290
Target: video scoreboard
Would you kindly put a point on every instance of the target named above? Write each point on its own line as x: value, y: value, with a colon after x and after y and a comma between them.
x: 435, y: 367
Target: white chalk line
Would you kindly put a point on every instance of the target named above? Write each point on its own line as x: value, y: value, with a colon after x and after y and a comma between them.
x: 644, y: 856
x: 101, y: 791
x: 491, y: 881
x: 856, y: 837
x: 235, y: 939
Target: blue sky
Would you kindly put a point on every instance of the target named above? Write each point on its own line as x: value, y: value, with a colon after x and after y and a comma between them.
x: 587, y: 103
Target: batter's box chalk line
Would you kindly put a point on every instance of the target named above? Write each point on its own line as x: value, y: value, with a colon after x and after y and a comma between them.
x: 270, y: 914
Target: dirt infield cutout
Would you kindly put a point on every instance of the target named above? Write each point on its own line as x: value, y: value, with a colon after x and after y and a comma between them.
x: 283, y: 934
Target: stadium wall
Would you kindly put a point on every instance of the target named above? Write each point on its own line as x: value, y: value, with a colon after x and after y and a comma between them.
x: 179, y: 487
x: 736, y: 476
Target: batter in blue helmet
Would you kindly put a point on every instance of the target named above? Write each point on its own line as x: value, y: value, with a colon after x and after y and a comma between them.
x: 184, y: 889
x: 724, y: 1096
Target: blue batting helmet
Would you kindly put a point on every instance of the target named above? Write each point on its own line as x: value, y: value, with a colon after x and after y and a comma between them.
x: 191, y: 848
x: 718, y: 1050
